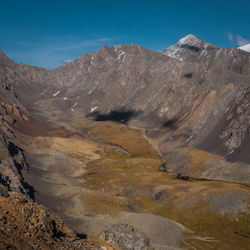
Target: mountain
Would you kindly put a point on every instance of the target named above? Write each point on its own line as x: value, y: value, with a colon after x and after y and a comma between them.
x: 206, y: 89
x: 100, y: 126
x: 203, y: 94
x: 156, y: 90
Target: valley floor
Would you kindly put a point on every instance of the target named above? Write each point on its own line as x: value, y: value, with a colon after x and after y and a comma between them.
x: 95, y: 174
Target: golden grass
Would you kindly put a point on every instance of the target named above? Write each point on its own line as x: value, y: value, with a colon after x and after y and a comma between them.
x: 74, y: 147
x: 103, y: 204
x: 199, y: 160
x: 131, y: 140
x: 137, y: 178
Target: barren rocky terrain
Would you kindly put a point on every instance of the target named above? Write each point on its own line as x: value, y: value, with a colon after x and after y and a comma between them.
x: 131, y: 148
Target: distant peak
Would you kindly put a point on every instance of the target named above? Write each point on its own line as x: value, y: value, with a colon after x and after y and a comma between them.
x: 186, y: 45
x: 189, y: 38
x: 245, y: 47
x: 193, y: 41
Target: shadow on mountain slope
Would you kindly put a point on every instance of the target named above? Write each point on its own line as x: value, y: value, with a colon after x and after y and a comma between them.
x: 171, y: 123
x: 121, y: 115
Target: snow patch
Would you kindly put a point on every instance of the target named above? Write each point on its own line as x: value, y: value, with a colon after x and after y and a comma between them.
x: 178, y: 51
x: 72, y: 108
x: 173, y: 52
x: 190, y: 138
x: 120, y: 55
x: 93, y: 109
x: 245, y: 47
x: 189, y: 39
x: 56, y: 93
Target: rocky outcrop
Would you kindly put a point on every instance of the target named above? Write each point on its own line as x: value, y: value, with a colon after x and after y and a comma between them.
x: 11, y: 166
x: 27, y: 225
x: 9, y: 112
x: 126, y: 237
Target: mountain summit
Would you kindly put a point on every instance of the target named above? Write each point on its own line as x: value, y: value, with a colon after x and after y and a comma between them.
x: 188, y: 44
x: 191, y: 40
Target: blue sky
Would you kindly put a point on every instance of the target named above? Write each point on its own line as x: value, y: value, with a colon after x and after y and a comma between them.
x: 50, y: 33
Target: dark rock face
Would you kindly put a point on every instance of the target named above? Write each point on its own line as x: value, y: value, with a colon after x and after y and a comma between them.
x: 182, y: 177
x: 9, y: 170
x: 11, y: 166
x: 163, y: 167
x: 126, y: 237
x: 4, y: 191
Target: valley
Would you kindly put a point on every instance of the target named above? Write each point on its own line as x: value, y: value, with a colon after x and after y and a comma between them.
x: 88, y: 141
x: 95, y: 174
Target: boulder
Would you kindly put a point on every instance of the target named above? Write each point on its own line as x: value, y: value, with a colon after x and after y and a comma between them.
x: 126, y: 237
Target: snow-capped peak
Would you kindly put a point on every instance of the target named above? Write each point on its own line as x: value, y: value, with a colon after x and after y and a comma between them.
x: 245, y: 47
x: 189, y: 39
x: 187, y: 46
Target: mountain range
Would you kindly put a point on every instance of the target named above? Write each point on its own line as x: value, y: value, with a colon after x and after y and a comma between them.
x: 191, y: 104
